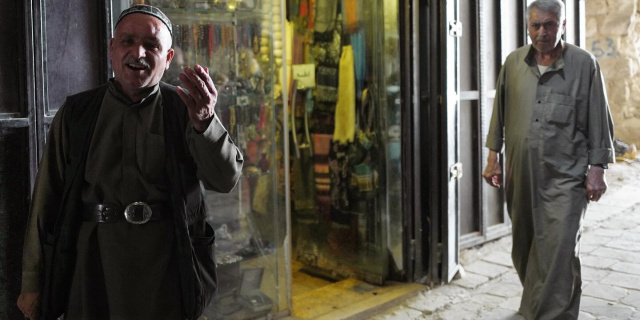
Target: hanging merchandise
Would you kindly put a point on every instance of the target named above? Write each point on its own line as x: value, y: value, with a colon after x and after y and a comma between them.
x: 262, y: 192
x: 351, y: 25
x: 351, y: 14
x: 354, y: 169
x: 363, y: 175
x: 301, y: 14
x: 344, y: 131
x: 311, y: 19
x: 325, y: 18
x: 346, y: 107
x: 261, y: 201
x: 327, y: 78
x: 326, y: 52
x: 359, y: 59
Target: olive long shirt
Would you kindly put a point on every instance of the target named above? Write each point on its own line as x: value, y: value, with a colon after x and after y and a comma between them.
x: 125, y: 163
x: 553, y: 126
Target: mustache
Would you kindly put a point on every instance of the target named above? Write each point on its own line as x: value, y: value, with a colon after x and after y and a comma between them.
x: 543, y: 38
x: 137, y: 61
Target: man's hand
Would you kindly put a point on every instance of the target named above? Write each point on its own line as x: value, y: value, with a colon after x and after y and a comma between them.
x: 493, y: 171
x: 201, y: 98
x: 29, y: 303
x: 596, y: 183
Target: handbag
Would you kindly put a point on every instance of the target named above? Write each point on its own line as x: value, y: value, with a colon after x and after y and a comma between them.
x: 363, y: 171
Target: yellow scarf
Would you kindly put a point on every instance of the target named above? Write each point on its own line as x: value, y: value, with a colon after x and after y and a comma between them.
x: 345, y: 116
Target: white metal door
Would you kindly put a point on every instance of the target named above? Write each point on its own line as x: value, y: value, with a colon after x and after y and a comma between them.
x: 450, y: 220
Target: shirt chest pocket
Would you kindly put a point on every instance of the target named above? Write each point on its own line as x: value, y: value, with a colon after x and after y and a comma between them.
x: 560, y: 109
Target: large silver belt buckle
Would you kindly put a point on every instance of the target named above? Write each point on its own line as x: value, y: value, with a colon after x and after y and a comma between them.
x: 137, y: 213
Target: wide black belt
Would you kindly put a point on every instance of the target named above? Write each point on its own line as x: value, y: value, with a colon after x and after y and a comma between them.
x: 136, y: 212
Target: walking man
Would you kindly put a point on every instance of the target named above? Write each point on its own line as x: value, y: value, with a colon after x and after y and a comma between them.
x: 551, y: 113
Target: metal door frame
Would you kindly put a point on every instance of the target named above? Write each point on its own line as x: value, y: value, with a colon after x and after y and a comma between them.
x: 430, y: 132
x: 450, y: 226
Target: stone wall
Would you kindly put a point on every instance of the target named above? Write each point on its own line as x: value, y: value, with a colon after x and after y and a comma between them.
x: 613, y: 36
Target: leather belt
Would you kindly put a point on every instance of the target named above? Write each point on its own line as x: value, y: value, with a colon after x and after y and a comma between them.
x: 135, y: 213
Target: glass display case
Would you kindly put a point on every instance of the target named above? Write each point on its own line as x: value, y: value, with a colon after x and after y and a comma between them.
x: 240, y: 42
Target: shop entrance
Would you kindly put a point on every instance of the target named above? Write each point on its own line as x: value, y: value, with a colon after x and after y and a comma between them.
x: 346, y: 200
x: 347, y: 219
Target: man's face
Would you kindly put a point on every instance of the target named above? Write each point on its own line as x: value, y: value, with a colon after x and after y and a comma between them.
x: 140, y: 52
x: 545, y: 30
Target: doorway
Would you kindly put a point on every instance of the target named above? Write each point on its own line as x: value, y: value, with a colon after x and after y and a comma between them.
x: 345, y: 155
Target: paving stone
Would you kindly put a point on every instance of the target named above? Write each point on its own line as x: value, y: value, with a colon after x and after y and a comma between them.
x: 601, y: 308
x: 585, y: 316
x: 502, y: 289
x: 589, y: 226
x: 631, y: 235
x: 511, y: 304
x: 604, y: 207
x: 598, y: 216
x: 464, y: 310
x: 469, y: 256
x: 626, y: 267
x: 622, y: 280
x: 604, y: 291
x: 593, y: 274
x: 594, y: 239
x: 605, y: 233
x: 511, y: 277
x: 501, y: 314
x: 617, y: 254
x: 453, y: 292
x: 619, y: 224
x: 624, y: 245
x: 596, y: 262
x: 457, y: 313
x: 471, y: 281
x: 429, y: 302
x: 630, y: 217
x: 633, y: 216
x: 487, y: 301
x: 632, y: 299
x: 499, y: 257
x: 490, y: 270
x: 399, y: 313
x: 587, y: 248
x: 625, y: 197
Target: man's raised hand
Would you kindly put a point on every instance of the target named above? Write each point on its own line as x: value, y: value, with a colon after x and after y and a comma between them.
x: 200, y: 97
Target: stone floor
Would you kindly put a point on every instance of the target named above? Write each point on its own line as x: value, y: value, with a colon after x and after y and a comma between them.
x: 489, y: 287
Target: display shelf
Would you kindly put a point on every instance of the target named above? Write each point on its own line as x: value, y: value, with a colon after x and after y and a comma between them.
x: 208, y: 5
x: 194, y: 15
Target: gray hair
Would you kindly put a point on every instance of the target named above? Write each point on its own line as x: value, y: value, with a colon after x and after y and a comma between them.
x: 552, y: 6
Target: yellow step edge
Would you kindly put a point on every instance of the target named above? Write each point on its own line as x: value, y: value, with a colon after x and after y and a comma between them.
x: 340, y: 301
